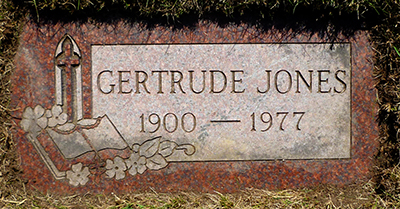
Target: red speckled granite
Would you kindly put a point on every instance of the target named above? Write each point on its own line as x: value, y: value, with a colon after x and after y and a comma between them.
x: 33, y: 83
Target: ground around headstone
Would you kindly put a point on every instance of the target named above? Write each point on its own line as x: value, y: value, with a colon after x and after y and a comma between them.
x: 354, y: 196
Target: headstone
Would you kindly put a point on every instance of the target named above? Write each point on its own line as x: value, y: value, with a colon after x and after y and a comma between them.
x: 121, y: 107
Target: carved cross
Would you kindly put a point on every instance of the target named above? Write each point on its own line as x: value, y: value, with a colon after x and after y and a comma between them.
x: 67, y: 60
x: 68, y: 79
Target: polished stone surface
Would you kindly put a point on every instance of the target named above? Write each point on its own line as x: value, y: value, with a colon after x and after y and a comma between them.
x: 230, y: 101
x: 78, y: 129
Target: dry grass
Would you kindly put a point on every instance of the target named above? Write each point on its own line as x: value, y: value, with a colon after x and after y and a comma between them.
x: 322, y: 197
x: 386, y: 39
x: 381, y: 192
x: 9, y: 26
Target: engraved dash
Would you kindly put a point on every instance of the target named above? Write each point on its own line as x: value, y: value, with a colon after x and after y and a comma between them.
x: 225, y: 121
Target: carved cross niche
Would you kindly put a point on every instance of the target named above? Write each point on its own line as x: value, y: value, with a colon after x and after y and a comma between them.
x: 68, y: 78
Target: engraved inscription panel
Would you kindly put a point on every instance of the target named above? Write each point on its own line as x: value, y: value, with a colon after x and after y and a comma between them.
x: 230, y: 101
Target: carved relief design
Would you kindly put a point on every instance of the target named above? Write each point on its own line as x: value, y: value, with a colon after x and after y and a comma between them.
x: 75, y: 136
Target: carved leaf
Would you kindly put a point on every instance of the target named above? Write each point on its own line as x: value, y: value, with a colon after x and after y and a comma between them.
x: 156, y: 162
x: 150, y: 147
x: 66, y: 127
x: 167, y: 148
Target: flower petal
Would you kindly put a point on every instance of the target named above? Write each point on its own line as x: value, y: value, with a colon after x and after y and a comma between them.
x: 141, y: 168
x: 25, y: 124
x: 62, y: 118
x: 28, y: 113
x: 39, y: 111
x: 129, y: 163
x: 110, y: 173
x: 56, y: 110
x: 48, y: 113
x: 52, y: 122
x: 77, y: 168
x: 109, y: 164
x: 132, y: 171
x: 42, y: 122
x: 83, y: 180
x: 120, y: 163
x: 85, y: 171
x: 141, y: 161
x: 132, y: 159
x: 119, y: 175
x: 72, y: 178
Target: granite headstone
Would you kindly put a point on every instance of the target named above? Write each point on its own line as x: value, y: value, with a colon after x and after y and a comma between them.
x: 122, y: 107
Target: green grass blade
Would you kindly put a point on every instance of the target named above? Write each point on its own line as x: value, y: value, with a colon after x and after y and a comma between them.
x: 397, y: 51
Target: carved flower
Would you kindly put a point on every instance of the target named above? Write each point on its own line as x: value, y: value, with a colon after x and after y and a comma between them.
x: 136, y: 164
x: 78, y: 175
x: 116, y: 168
x: 58, y: 117
x: 32, y: 118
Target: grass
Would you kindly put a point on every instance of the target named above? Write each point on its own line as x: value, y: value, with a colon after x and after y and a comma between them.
x: 321, y: 197
x: 179, y: 7
x: 380, y: 17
